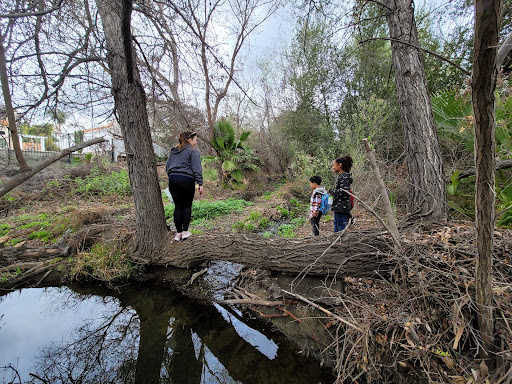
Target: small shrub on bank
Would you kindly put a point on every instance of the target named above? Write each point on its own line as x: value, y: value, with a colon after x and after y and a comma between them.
x: 44, y: 236
x: 99, y: 183
x: 103, y: 262
x: 4, y: 229
x: 286, y: 230
x: 204, y: 209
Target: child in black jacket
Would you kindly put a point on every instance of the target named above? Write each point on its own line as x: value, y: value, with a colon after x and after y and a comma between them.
x: 341, y: 205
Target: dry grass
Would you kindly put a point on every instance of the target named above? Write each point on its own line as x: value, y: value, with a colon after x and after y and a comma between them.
x: 420, y: 325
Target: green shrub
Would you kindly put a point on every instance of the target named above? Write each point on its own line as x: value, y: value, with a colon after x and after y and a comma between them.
x: 13, y: 242
x: 255, y: 216
x: 286, y: 230
x: 264, y: 223
x: 39, y: 224
x: 88, y: 158
x: 267, y: 234
x: 45, y: 236
x: 298, y: 221
x: 204, y: 209
x: 4, y: 229
x: 284, y: 212
x: 99, y: 183
x: 103, y: 262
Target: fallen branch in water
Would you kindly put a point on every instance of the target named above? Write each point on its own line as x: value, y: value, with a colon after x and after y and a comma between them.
x: 254, y: 302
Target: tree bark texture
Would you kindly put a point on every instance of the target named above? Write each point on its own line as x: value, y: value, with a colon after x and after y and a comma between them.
x: 10, y: 110
x: 483, y: 86
x: 130, y: 104
x: 359, y: 255
x: 427, y: 191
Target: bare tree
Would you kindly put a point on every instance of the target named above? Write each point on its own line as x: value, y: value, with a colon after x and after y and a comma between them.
x: 9, y: 108
x: 242, y: 18
x: 483, y: 85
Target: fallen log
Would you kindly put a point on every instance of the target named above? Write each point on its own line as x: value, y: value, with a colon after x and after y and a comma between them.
x: 357, y: 254
x: 25, y: 252
x: 500, y: 164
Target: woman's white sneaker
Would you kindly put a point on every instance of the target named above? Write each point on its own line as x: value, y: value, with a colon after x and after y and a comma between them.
x: 185, y: 235
x: 178, y: 236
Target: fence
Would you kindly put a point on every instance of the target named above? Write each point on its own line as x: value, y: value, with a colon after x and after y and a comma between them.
x: 33, y: 155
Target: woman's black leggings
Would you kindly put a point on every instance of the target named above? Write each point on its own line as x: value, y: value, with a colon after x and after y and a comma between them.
x: 182, y: 189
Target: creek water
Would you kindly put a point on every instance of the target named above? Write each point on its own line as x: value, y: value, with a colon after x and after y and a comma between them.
x: 139, y: 334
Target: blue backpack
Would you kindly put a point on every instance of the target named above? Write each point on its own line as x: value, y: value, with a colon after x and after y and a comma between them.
x: 325, y: 205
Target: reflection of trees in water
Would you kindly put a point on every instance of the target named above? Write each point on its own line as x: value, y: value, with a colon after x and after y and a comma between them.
x: 155, y: 337
x: 126, y: 346
x: 99, y: 352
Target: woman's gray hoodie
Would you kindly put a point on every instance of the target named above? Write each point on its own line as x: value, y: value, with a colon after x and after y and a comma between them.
x: 186, y: 162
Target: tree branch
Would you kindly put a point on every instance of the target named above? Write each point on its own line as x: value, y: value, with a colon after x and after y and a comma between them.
x: 466, y: 72
x: 22, y: 177
x: 500, y: 164
x: 28, y: 14
x: 504, y: 50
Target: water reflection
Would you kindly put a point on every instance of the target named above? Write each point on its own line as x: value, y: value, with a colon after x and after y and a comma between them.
x: 138, y: 335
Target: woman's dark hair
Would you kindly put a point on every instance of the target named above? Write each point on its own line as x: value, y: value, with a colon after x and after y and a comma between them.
x: 316, y: 179
x: 346, y: 162
x: 185, y: 137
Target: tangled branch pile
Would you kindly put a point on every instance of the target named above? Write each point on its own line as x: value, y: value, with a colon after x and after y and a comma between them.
x: 419, y: 326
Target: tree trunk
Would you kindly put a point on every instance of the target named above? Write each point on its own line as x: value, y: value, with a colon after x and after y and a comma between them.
x: 10, y: 110
x: 130, y: 103
x: 483, y: 85
x: 427, y: 191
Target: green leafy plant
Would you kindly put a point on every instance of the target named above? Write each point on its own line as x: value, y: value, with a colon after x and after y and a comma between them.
x: 264, y: 223
x: 298, y: 221
x: 267, y: 235
x: 4, y: 229
x: 100, y: 183
x: 255, y: 216
x: 38, y: 224
x: 45, y: 236
x: 14, y: 241
x: 286, y: 230
x: 254, y: 222
x: 504, y: 208
x: 453, y: 115
x: 88, y: 158
x: 285, y: 213
x: 233, y: 155
x: 455, y: 181
x: 205, y: 209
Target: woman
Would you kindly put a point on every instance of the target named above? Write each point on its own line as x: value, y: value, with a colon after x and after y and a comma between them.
x: 342, y: 204
x: 184, y: 170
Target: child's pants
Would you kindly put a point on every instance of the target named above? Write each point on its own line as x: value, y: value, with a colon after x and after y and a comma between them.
x: 315, y: 224
x: 340, y: 221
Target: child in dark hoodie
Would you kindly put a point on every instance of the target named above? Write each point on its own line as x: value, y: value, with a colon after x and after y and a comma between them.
x: 342, y: 204
x: 184, y: 170
x: 316, y: 200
